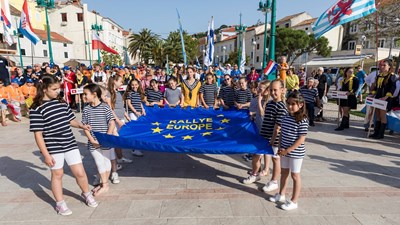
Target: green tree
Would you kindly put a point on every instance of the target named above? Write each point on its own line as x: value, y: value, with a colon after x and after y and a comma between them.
x: 143, y: 41
x: 233, y: 58
x: 111, y: 59
x: 173, y: 47
x: 294, y: 43
x: 158, y: 53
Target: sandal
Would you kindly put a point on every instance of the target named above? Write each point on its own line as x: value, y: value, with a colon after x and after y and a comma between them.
x: 103, y: 189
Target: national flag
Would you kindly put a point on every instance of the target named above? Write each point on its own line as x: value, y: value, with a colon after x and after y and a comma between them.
x: 7, y: 36
x: 182, y: 39
x: 243, y: 57
x: 98, y: 44
x: 194, y: 130
x: 270, y: 68
x: 342, y: 12
x: 197, y: 62
x: 25, y: 27
x: 209, y: 57
x: 5, y: 13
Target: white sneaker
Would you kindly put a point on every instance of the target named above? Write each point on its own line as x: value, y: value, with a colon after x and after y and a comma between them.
x: 271, y: 186
x: 251, y: 179
x: 96, y: 181
x: 63, y: 209
x: 124, y: 160
x: 114, y: 178
x: 137, y: 153
x: 119, y: 167
x: 289, y: 205
x: 277, y: 198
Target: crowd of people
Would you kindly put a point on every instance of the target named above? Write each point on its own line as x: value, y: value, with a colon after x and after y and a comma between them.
x: 282, y: 110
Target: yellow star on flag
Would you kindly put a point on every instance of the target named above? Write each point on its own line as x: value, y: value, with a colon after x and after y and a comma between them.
x: 220, y: 115
x: 225, y: 120
x: 206, y: 134
x: 168, y: 136
x: 187, y: 137
x: 220, y: 128
x: 156, y: 123
x: 157, y: 130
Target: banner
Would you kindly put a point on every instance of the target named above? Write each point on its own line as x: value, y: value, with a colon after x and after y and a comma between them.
x: 342, y: 12
x: 190, y: 131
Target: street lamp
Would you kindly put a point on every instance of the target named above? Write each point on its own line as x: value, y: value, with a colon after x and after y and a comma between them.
x: 272, y: 38
x: 264, y: 8
x: 217, y: 59
x: 47, y: 4
x: 363, y: 39
x: 138, y: 53
x: 240, y: 29
x: 305, y: 70
x: 223, y: 51
x: 97, y: 27
x: 254, y: 50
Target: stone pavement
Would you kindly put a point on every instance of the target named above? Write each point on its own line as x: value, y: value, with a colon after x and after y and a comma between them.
x: 347, y: 179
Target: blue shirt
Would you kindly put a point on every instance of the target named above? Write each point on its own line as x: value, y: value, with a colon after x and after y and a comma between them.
x: 236, y: 74
x: 361, y: 76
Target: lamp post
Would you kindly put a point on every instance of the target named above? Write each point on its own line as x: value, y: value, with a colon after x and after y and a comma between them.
x: 96, y: 27
x: 90, y: 52
x: 223, y: 51
x: 19, y: 48
x: 204, y: 55
x: 363, y: 39
x: 272, y: 39
x: 254, y: 43
x: 305, y: 69
x: 47, y: 4
x: 240, y: 29
x: 264, y: 8
x: 138, y: 53
x: 217, y: 59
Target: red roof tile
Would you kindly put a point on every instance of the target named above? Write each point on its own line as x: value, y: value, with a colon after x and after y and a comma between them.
x: 42, y: 34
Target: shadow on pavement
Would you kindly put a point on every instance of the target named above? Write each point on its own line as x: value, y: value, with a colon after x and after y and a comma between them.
x: 25, y: 175
x: 387, y: 175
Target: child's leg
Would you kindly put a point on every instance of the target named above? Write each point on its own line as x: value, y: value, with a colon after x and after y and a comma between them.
x: 256, y: 163
x: 74, y: 160
x: 3, y: 117
x: 104, y: 167
x: 295, y: 167
x: 267, y: 159
x: 285, y: 167
x: 276, y: 166
x: 56, y: 184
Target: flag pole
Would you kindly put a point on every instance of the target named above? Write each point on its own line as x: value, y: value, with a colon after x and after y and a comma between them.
x: 182, y: 40
x: 167, y: 66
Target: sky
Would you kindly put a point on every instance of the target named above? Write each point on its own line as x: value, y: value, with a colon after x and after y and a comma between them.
x: 160, y: 15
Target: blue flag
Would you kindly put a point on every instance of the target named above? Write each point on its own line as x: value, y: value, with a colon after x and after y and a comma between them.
x: 182, y: 39
x: 190, y: 131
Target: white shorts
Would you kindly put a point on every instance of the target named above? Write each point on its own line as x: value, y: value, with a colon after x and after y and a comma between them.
x: 275, y: 150
x: 293, y: 164
x: 133, y: 116
x: 71, y: 157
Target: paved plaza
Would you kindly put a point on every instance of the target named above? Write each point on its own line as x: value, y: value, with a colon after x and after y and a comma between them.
x: 347, y: 179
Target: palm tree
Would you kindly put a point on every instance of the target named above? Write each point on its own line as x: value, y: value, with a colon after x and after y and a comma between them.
x: 143, y: 41
x: 158, y: 52
x: 174, y: 48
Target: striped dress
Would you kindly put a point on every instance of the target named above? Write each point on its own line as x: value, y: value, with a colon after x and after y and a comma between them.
x: 290, y: 133
x: 209, y: 92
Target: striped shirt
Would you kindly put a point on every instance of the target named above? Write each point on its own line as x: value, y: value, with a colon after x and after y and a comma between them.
x: 98, y: 117
x: 242, y: 96
x: 290, y: 133
x: 309, y: 95
x: 227, y: 94
x: 136, y: 101
x: 209, y: 92
x: 53, y: 119
x: 153, y: 96
x: 274, y: 113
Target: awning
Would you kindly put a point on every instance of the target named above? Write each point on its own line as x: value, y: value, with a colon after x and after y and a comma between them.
x: 336, y: 61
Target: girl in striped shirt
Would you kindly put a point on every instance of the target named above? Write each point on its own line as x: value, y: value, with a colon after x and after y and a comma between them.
x: 99, y: 116
x: 208, y: 92
x: 242, y: 95
x: 51, y: 120
x: 291, y: 148
x: 134, y: 97
x: 153, y: 95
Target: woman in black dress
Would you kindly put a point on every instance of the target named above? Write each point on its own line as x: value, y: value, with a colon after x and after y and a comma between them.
x: 349, y: 84
x: 383, y: 89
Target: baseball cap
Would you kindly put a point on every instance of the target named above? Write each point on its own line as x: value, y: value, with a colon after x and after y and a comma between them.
x: 66, y: 68
x: 29, y: 81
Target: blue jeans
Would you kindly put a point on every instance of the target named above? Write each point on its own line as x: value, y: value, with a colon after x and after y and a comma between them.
x: 310, y: 111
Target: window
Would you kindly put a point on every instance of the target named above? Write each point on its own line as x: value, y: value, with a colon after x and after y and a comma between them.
x: 382, y: 21
x: 306, y: 28
x: 351, y: 45
x: 367, y: 44
x: 65, y: 44
x: 381, y: 43
x: 64, y: 17
x: 230, y: 47
x: 258, y: 46
x: 112, y: 27
x: 353, y: 28
x: 258, y: 59
x: 287, y: 25
x: 44, y: 42
x: 395, y: 42
x: 23, y: 52
x: 66, y: 55
x: 79, y: 17
x: 251, y: 55
x: 45, y: 53
x: 222, y: 48
x: 368, y: 26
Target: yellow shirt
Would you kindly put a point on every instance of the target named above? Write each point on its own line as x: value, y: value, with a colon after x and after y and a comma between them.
x: 190, y: 93
x: 282, y: 72
x: 292, y: 82
x: 28, y: 91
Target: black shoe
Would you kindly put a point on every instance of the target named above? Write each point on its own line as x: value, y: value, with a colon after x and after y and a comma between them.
x: 312, y: 124
x: 381, y: 133
x: 376, y: 129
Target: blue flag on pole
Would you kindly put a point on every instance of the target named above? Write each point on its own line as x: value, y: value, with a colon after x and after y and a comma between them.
x: 182, y: 39
x: 190, y: 131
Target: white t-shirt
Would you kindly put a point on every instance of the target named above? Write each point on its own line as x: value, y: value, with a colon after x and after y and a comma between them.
x: 370, y: 79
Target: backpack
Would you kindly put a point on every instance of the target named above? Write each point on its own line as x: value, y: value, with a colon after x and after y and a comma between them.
x: 329, y: 80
